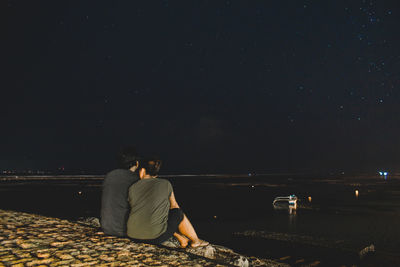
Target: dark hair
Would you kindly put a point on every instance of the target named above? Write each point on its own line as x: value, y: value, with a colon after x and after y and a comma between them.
x: 151, y: 165
x: 127, y: 157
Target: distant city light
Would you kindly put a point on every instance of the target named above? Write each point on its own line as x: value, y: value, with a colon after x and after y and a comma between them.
x: 384, y: 174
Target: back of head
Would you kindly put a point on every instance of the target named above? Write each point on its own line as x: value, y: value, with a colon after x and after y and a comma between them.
x: 127, y: 157
x: 152, y: 166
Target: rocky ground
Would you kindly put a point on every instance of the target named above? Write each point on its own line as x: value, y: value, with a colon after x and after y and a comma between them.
x: 34, y: 240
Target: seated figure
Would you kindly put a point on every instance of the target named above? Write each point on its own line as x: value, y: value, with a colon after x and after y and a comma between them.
x: 114, y: 199
x: 155, y: 215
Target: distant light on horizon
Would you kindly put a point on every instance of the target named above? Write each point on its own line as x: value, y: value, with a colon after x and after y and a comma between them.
x: 384, y: 174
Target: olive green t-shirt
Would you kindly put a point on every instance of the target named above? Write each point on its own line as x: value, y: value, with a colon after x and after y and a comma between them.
x: 149, y: 201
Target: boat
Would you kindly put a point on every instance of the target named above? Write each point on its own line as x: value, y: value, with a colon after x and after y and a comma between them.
x: 290, y: 200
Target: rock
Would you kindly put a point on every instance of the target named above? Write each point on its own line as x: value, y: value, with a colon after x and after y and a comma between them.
x: 64, y: 256
x: 366, y: 250
x: 26, y: 245
x: 241, y: 261
x: 207, y: 251
x: 90, y: 221
x: 20, y: 261
x: 60, y: 244
x: 106, y: 258
x: 315, y: 263
x: 42, y: 255
x: 38, y: 262
x: 123, y: 255
x: 61, y: 263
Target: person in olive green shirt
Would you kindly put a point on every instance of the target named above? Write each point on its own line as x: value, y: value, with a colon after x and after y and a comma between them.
x: 155, y: 215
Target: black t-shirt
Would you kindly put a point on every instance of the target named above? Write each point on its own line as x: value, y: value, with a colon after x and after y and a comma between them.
x: 114, y: 201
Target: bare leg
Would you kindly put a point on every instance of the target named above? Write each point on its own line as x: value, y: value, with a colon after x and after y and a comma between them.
x: 182, y: 240
x: 186, y: 229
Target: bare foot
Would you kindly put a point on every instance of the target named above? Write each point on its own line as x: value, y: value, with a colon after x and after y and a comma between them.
x: 199, y: 243
x: 183, y: 241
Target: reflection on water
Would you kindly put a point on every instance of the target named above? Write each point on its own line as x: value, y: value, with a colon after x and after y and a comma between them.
x: 383, y: 174
x: 291, y: 209
x: 292, y: 218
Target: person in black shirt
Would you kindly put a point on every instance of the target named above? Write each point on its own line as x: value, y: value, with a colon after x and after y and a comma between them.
x: 114, y: 199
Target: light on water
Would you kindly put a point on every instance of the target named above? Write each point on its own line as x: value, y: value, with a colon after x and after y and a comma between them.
x: 292, y: 210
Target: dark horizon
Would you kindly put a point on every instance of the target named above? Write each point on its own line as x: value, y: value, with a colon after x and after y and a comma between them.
x: 25, y: 167
x: 208, y: 86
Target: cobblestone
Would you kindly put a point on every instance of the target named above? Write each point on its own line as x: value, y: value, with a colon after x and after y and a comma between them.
x: 34, y: 240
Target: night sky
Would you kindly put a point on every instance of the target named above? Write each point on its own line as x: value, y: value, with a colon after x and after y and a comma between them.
x: 208, y: 86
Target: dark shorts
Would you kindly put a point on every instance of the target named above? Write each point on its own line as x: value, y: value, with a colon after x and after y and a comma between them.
x: 175, y: 217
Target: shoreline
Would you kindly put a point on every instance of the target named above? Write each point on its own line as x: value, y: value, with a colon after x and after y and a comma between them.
x: 32, y: 240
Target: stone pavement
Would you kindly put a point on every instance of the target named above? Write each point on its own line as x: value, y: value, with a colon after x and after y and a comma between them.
x: 34, y: 240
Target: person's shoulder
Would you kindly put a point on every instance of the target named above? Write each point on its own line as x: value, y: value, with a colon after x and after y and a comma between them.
x: 116, y: 172
x: 119, y: 173
x: 163, y: 181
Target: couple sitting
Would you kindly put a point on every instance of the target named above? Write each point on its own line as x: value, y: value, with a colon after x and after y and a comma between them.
x: 137, y: 204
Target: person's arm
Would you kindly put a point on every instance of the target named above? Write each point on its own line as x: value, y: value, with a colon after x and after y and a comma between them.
x: 172, y: 201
